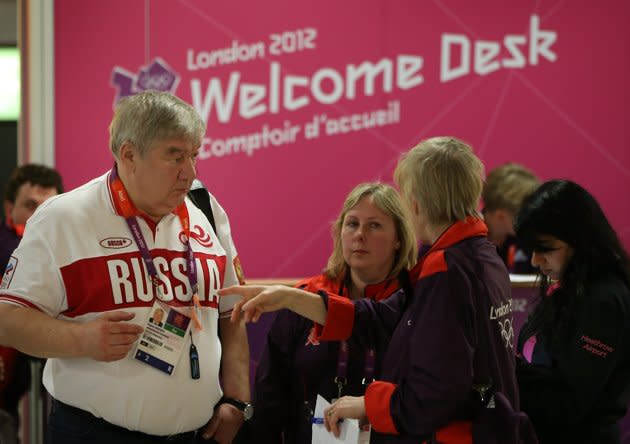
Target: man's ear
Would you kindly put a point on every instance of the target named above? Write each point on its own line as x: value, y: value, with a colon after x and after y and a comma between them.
x: 502, y: 221
x: 8, y: 208
x: 495, y: 216
x: 508, y: 218
x: 128, y: 154
x: 504, y: 216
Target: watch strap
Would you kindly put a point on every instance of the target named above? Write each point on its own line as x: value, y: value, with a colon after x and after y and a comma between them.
x: 245, y: 407
x: 241, y: 405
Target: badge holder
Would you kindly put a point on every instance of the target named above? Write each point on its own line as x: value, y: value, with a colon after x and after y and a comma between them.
x: 164, y: 338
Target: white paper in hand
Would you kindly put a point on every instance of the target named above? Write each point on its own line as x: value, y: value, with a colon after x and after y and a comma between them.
x: 350, y: 432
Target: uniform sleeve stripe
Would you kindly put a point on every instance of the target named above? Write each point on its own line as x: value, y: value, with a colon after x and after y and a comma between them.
x: 434, y: 263
x: 339, y: 321
x: 377, y: 401
x: 459, y: 432
x: 15, y: 300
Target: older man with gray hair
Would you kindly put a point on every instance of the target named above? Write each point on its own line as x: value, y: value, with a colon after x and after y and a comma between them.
x: 96, y: 262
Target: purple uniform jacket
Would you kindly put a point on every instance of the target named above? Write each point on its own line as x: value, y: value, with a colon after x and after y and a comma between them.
x: 9, y: 241
x: 292, y: 370
x: 427, y: 372
x: 577, y: 390
x: 15, y: 377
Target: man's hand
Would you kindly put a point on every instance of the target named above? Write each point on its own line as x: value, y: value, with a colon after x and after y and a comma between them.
x: 224, y: 424
x: 108, y: 337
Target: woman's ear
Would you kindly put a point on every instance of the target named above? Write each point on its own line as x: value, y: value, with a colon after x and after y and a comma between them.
x: 415, y: 207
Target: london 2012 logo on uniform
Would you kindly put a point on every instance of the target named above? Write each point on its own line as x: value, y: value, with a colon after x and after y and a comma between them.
x: 157, y: 75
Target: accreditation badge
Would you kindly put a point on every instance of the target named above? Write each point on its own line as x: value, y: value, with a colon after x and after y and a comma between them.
x: 164, y: 338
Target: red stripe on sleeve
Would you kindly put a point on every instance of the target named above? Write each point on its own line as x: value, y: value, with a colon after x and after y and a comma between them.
x: 19, y: 301
x: 339, y: 321
x: 456, y: 432
x: 377, y: 399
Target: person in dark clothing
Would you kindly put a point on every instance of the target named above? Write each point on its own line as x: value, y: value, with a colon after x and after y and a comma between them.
x: 15, y: 378
x: 503, y: 192
x: 574, y: 350
x: 374, y: 247
x: 27, y: 188
x: 461, y: 294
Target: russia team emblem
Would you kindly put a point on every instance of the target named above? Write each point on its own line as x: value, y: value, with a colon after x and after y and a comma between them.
x: 9, y: 272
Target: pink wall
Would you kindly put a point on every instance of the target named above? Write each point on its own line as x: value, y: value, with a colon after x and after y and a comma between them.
x: 563, y: 116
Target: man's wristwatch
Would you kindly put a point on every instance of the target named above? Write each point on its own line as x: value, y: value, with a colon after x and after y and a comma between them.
x: 245, y: 407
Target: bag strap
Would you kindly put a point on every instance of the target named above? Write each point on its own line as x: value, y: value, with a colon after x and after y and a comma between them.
x: 200, y: 197
x: 405, y: 284
x: 483, y: 386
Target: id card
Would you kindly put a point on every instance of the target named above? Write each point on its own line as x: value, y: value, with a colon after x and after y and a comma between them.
x: 163, y: 339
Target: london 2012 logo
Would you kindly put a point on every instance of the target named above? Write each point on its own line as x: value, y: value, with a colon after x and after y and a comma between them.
x: 157, y: 75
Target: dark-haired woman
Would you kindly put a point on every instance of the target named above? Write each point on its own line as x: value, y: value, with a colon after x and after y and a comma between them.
x: 574, y: 351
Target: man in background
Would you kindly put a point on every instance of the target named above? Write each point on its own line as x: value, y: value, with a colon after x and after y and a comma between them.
x: 504, y: 191
x: 27, y: 188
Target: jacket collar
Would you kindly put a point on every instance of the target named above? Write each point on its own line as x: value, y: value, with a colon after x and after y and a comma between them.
x: 459, y: 231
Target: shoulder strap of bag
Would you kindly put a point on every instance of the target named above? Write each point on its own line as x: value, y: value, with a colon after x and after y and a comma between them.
x: 482, y: 382
x: 200, y: 197
x: 483, y: 387
x: 405, y: 283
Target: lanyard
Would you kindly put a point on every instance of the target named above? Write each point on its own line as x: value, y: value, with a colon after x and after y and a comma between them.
x: 342, y: 361
x: 342, y: 367
x: 368, y: 370
x: 129, y: 212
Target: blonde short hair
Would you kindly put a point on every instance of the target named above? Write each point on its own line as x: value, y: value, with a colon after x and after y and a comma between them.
x: 150, y: 116
x: 444, y: 176
x: 386, y: 199
x: 507, y: 186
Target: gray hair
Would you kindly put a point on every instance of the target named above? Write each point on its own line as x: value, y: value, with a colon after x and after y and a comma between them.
x: 149, y: 116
